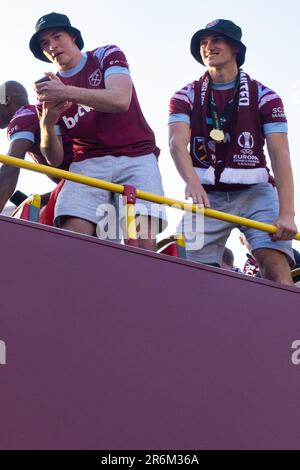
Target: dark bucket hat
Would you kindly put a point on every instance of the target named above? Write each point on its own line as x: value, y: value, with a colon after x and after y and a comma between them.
x: 52, y: 20
x: 228, y: 29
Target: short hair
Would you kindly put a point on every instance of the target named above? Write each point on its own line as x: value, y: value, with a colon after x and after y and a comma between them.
x: 14, y: 90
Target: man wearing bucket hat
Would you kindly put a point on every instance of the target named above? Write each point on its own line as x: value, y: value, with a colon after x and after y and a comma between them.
x: 94, y: 102
x: 225, y: 118
x: 23, y: 132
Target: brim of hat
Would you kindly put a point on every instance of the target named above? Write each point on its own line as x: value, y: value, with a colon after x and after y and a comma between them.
x: 35, y: 47
x: 195, y: 46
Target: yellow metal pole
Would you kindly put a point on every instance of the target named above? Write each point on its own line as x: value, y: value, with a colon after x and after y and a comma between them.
x: 129, y: 199
x: 130, y: 222
x: 295, y: 272
x: 117, y: 188
x: 180, y: 240
x: 210, y: 212
x: 62, y: 174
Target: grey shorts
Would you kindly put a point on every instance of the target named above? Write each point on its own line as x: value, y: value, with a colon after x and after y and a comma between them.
x: 258, y: 202
x: 89, y: 203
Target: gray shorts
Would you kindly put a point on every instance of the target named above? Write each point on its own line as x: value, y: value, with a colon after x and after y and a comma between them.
x: 258, y: 202
x: 95, y: 205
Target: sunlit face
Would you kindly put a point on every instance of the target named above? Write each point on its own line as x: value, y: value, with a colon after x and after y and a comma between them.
x: 217, y: 51
x: 60, y: 48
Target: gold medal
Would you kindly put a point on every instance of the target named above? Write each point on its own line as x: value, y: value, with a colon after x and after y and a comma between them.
x: 217, y: 135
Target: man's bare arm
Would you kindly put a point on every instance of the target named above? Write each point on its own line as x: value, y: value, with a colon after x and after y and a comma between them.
x: 9, y: 174
x: 51, y: 143
x: 179, y: 138
x: 278, y: 149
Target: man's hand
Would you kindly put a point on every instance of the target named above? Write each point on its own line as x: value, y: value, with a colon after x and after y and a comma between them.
x: 53, y: 90
x: 180, y: 134
x: 195, y: 190
x: 286, y: 228
x: 51, y: 112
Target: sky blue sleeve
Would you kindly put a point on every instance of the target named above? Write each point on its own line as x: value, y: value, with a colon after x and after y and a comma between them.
x: 180, y: 117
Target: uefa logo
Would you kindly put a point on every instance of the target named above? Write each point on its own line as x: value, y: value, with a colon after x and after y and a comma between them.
x: 246, y: 141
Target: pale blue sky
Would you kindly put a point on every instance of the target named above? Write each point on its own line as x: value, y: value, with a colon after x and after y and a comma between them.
x: 155, y: 36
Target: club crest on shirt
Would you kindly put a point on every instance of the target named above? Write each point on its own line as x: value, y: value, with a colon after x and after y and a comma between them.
x: 95, y: 78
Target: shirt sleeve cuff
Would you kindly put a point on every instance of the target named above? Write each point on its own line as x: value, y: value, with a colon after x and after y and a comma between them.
x: 116, y: 70
x: 23, y: 135
x: 275, y: 127
x: 179, y: 118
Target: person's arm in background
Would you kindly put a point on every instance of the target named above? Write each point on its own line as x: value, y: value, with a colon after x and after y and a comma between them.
x: 179, y: 138
x: 278, y: 148
x: 9, y: 174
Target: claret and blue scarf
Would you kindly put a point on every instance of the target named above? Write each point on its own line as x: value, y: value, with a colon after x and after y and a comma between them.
x: 241, y: 160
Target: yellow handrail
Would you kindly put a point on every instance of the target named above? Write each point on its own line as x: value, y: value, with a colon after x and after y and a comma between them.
x: 295, y: 272
x: 118, y: 188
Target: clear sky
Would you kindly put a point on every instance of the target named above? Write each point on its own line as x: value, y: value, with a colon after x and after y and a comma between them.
x: 155, y: 36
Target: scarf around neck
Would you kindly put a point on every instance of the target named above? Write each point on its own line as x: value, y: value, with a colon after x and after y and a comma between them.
x: 239, y: 158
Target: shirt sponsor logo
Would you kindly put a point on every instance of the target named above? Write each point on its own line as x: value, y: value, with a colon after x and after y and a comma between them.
x: 71, y: 121
x: 278, y: 112
x: 95, y: 78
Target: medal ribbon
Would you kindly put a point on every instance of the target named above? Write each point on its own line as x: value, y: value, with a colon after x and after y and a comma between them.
x: 219, y: 120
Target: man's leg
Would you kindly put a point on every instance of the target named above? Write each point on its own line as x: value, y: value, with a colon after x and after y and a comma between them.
x: 206, y: 237
x: 79, y: 207
x: 273, y: 258
x: 146, y: 231
x: 74, y: 224
x: 142, y: 173
x: 273, y: 265
x: 147, y: 228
